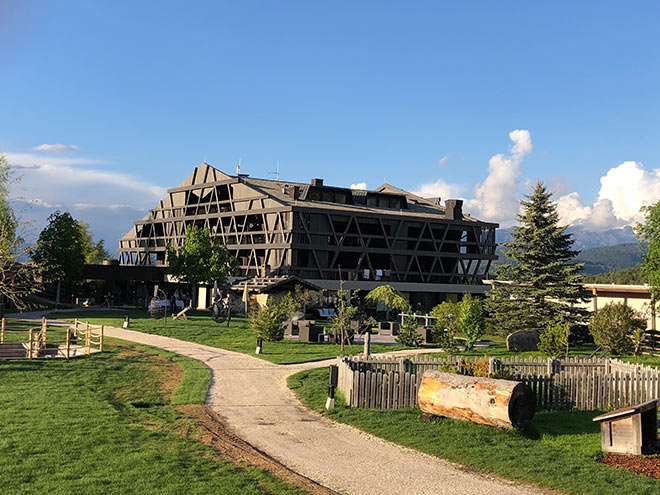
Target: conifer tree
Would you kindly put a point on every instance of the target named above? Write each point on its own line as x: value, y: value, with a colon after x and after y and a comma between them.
x: 541, y: 282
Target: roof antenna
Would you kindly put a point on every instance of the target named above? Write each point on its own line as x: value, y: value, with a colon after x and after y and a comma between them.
x: 276, y: 173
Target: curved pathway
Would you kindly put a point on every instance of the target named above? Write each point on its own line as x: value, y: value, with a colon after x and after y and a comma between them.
x: 251, y: 394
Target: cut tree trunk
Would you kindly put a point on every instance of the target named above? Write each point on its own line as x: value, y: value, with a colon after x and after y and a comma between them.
x: 487, y: 401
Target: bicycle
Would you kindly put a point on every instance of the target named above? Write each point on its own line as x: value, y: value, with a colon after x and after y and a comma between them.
x: 220, y: 313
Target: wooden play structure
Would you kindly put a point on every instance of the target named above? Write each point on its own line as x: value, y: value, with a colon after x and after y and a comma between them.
x: 77, y: 340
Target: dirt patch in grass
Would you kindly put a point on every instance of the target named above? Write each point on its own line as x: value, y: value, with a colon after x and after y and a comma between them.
x: 217, y: 434
x: 170, y: 376
x: 646, y: 465
x: 166, y: 373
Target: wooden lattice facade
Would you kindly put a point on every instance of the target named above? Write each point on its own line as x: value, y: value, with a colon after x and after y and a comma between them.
x: 318, y: 232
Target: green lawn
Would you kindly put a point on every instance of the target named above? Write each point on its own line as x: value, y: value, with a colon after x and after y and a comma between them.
x: 559, y: 451
x: 200, y: 328
x: 106, y: 424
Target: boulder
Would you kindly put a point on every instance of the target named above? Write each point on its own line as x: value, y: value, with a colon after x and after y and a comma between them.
x: 523, y: 340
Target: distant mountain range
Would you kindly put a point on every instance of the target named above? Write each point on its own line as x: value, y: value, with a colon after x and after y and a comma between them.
x: 602, y: 252
x: 586, y: 239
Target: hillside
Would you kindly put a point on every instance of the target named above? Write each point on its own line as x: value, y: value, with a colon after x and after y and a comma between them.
x: 601, y: 253
x: 602, y: 259
x: 627, y: 276
x: 610, y: 258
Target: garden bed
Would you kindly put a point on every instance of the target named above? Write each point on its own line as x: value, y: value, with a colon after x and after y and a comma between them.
x: 646, y: 465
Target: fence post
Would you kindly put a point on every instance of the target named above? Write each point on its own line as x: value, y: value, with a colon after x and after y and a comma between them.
x: 491, y: 365
x: 88, y: 338
x: 30, y: 344
x: 550, y: 366
x: 367, y: 343
x: 101, y: 339
x: 44, y: 328
x: 68, y: 343
x: 2, y: 335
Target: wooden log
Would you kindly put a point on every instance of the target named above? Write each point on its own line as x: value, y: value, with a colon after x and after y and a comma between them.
x: 501, y: 403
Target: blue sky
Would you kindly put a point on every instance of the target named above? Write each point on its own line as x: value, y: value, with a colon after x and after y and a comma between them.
x: 423, y: 96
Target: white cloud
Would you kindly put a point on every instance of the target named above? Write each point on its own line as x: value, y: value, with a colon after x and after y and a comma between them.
x: 439, y: 189
x: 108, y: 200
x: 522, y: 143
x: 359, y: 185
x: 442, y: 162
x: 629, y: 187
x: 30, y: 160
x: 602, y: 216
x: 571, y: 210
x: 89, y: 206
x: 496, y: 198
x: 45, y: 204
x: 56, y: 147
x: 624, y: 189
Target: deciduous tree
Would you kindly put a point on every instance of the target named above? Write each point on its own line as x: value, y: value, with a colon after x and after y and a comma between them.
x: 648, y: 233
x: 60, y: 250
x: 201, y: 260
x: 17, y: 277
x: 389, y: 297
x: 95, y: 252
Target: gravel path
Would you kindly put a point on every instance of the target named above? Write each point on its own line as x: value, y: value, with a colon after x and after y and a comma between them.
x: 251, y: 394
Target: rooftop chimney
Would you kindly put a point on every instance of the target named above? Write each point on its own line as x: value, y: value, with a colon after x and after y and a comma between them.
x: 454, y: 209
x: 294, y: 192
x: 317, y: 182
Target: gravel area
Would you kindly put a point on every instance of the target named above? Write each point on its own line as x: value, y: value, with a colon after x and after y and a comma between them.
x: 252, y: 397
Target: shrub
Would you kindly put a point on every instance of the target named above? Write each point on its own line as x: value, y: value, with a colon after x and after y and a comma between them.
x: 448, y: 368
x: 638, y: 337
x: 503, y: 374
x: 408, y: 335
x: 477, y: 367
x: 555, y: 340
x: 471, y: 321
x: 446, y: 323
x: 614, y: 326
x: 289, y: 305
x: 267, y: 323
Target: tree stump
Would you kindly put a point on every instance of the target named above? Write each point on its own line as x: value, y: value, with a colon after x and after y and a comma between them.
x: 486, y: 401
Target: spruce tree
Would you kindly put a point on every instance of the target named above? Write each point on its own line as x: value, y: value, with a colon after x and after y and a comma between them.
x: 541, y: 281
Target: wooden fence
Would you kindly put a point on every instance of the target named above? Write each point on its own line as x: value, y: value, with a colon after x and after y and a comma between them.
x: 581, y: 383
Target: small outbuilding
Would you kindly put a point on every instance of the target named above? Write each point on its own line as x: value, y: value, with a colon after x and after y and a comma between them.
x: 630, y: 430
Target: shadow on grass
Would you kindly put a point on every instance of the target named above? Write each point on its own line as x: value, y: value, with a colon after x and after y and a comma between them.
x: 559, y: 423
